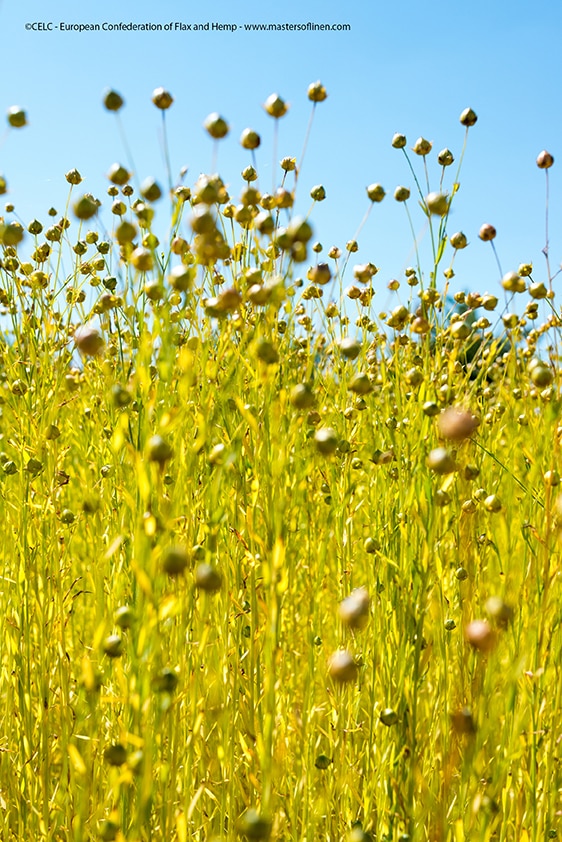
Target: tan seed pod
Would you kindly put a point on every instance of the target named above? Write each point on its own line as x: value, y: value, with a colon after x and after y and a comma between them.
x: 457, y: 424
x: 342, y: 667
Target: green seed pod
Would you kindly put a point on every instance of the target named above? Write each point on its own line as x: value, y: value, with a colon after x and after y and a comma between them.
x: 124, y: 617
x: 142, y: 259
x: 108, y: 830
x: 422, y: 146
x: 150, y: 190
x: 113, y: 646
x: 317, y: 92
x: 354, y: 609
x: 349, y: 348
x: 174, y: 560
x: 360, y: 384
x: 267, y: 352
x: 437, y: 203
x: 458, y: 240
x: 441, y: 461
x: 162, y: 98
x: 389, y: 717
x: 318, y: 193
x: 399, y: 141
x: 326, y: 440
x: 445, y: 158
x: 216, y: 126
x: 112, y: 100
x: 493, y: 503
x: 17, y: 117
x: 73, y: 177
x: 11, y: 234
x: 254, y: 826
x: 158, y: 450
x: 166, y: 681
x: 468, y: 117
x: 115, y: 755
x: 512, y: 282
x: 207, y: 578
x: 376, y: 192
x: 67, y: 517
x: 450, y: 624
x: 322, y: 761
x: 401, y: 194
x: 499, y: 611
x: 250, y: 139
x: 302, y: 397
x: 275, y: 106
x: 85, y: 208
x: 342, y: 667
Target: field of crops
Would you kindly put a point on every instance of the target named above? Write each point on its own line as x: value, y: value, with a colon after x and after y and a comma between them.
x: 274, y: 564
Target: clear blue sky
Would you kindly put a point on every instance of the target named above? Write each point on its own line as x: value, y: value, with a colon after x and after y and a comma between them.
x: 409, y: 67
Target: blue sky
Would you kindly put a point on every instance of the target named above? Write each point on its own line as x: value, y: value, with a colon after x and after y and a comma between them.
x: 406, y: 67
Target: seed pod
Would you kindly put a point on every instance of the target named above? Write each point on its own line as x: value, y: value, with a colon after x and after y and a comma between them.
x: 350, y: 348
x: 360, y: 384
x: 499, y: 611
x: 165, y: 681
x: 422, y: 146
x: 113, y: 646
x: 275, y: 106
x: 445, y: 158
x: 342, y: 667
x: 322, y: 761
x: 462, y: 722
x: 326, y: 440
x: 399, y: 141
x: 112, y: 100
x: 401, y: 194
x: 487, y: 232
x: 480, y: 635
x: 492, y: 503
x: 124, y: 616
x: 354, y: 609
x: 85, y: 208
x: 544, y: 160
x: 216, y: 126
x: 389, y: 717
x: 108, y: 830
x: 253, y: 825
x: 88, y: 340
x: 437, y: 203
x: 318, y: 193
x: 73, y: 177
x: 115, y: 754
x: 250, y: 139
x: 468, y: 117
x: 302, y: 397
x: 174, y: 560
x: 317, y: 92
x: 162, y: 98
x: 158, y: 450
x: 207, y: 578
x: 457, y: 424
x: 17, y: 117
x: 150, y: 190
x: 441, y: 461
x: 376, y: 192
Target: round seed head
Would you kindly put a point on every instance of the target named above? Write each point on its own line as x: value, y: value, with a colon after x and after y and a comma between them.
x: 376, y: 192
x: 11, y: 234
x: 86, y: 207
x: 401, y: 194
x: 389, y: 717
x: 88, y: 340
x: 437, y: 203
x: 326, y: 440
x: 480, y: 635
x: 441, y: 461
x: 162, y: 98
x: 112, y: 100
x: 207, y: 578
x: 487, y: 232
x: 73, y: 177
x: 492, y: 503
x: 544, y: 160
x: 216, y: 126
x: 342, y: 667
x: 174, y: 560
x: 302, y: 397
x: 399, y: 141
x: 458, y: 240
x: 499, y: 611
x: 318, y: 193
x: 124, y: 616
x: 422, y: 146
x: 457, y: 424
x: 354, y: 609
x: 115, y: 754
x: 349, y: 347
x: 113, y: 646
x: 445, y: 158
x: 468, y: 117
x: 253, y: 825
x: 158, y: 450
x: 17, y: 117
x: 250, y: 139
x: 275, y: 106
x: 150, y: 190
x: 317, y: 92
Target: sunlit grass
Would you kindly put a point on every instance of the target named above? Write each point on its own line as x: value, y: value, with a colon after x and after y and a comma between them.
x: 210, y: 439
